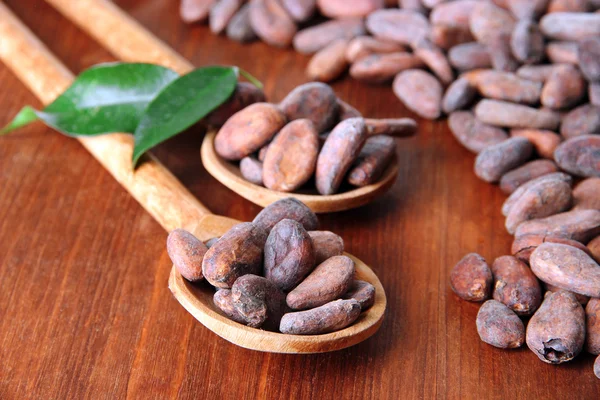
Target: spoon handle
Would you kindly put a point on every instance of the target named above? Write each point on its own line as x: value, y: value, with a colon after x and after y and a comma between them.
x: 151, y: 184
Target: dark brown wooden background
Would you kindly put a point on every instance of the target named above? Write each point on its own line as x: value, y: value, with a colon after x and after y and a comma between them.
x: 84, y: 307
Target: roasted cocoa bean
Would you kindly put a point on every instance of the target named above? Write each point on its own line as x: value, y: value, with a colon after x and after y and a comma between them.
x: 519, y: 192
x: 502, y: 113
x: 488, y: 21
x: 435, y: 59
x: 589, y: 58
x: 315, y: 101
x: 583, y: 300
x: 375, y: 156
x: 594, y: 248
x: 455, y: 13
x: 341, y: 8
x: 516, y: 286
x: 239, y: 27
x: 586, y: 195
x: 346, y: 111
x: 396, y: 127
x: 580, y: 155
x: 326, y: 245
x: 468, y: 56
x: 195, y: 10
x: 570, y: 25
x: 272, y: 23
x: 544, y: 141
x: 315, y: 38
x: 363, y: 292
x: 460, y: 94
x: 583, y: 120
x: 579, y: 225
x: 474, y: 134
x: 471, y: 278
x: 221, y: 13
x: 420, y: 91
x: 402, y: 26
x: 501, y: 53
x: 328, y: 63
x: 289, y: 208
x: 258, y: 301
x: 527, y: 42
x: 562, y: 53
x: 592, y: 325
x: 329, y: 317
x: 224, y: 302
x: 527, y: 9
x: 244, y: 95
x: 383, y: 67
x: 447, y: 36
x: 494, y: 161
x: 533, y: 169
x: 537, y: 73
x: 505, y: 86
x: 564, y: 88
x: 523, y: 246
x: 300, y: 10
x: 252, y: 170
x: 499, y: 326
x: 186, y: 253
x: 364, y: 46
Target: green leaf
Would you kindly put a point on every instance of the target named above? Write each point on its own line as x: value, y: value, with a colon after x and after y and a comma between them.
x: 183, y: 103
x: 26, y: 116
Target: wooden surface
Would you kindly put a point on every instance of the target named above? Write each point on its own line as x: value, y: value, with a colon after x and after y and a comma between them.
x: 85, y: 311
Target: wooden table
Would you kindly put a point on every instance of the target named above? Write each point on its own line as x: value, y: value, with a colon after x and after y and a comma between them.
x: 84, y: 307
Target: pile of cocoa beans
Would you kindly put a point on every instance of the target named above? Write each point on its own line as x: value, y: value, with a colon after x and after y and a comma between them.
x: 277, y: 272
x: 310, y: 133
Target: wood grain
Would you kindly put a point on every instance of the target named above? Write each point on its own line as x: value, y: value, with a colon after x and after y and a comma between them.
x: 85, y: 311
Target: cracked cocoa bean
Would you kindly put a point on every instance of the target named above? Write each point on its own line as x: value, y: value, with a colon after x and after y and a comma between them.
x: 258, y: 301
x: 516, y: 286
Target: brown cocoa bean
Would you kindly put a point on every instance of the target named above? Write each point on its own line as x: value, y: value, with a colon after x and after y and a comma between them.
x: 580, y: 155
x: 589, y: 58
x: 456, y: 13
x: 379, y: 68
x: 363, y: 292
x: 570, y: 25
x: 537, y: 73
x: 412, y: 5
x: 488, y: 21
x: 221, y: 13
x: 533, y: 169
x: 586, y: 195
x: 521, y: 189
x: 472, y: 133
x: 338, y: 153
x: 594, y: 248
x: 527, y: 42
x: 460, y: 94
x: 289, y: 208
x: 244, y: 95
x: 315, y: 101
x: 566, y: 267
x: 329, y: 281
x: 346, y: 111
x: 402, y: 26
x: 375, y: 156
x: 501, y: 53
x: 363, y: 46
x: 396, y: 127
x: 544, y: 141
x: 594, y: 93
x: 292, y: 155
x: 238, y: 252
x: 258, y: 301
x: 540, y: 200
x: 435, y: 59
x: 499, y: 326
x: 583, y: 120
x: 252, y: 170
x: 471, y: 278
x: 341, y: 8
x: 556, y: 332
x: 300, y: 10
x: 420, y: 91
x: 239, y: 27
x: 330, y: 317
x: 447, y: 36
x: 502, y: 113
x: 579, y: 225
x: 564, y: 88
x: 315, y: 38
x: 211, y: 242
x: 289, y: 254
x: 527, y: 9
x: 468, y: 56
x: 186, y: 253
x: 568, y: 6
x: 494, y: 161
x: 248, y: 130
x: 597, y: 367
x: 272, y: 23
x: 505, y: 86
x: 224, y: 302
x: 523, y: 246
x: 195, y: 10
x: 516, y: 286
x: 592, y: 318
x: 562, y: 52
x: 263, y: 152
x: 583, y: 300
x: 326, y: 245
x: 328, y: 63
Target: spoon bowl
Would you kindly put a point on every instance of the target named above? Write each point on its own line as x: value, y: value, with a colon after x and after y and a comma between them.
x: 229, y: 175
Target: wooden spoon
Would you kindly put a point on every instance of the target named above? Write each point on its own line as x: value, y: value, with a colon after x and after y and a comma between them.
x: 169, y: 202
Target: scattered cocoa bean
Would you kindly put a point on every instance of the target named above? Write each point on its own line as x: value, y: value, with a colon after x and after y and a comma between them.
x: 383, y: 67
x: 568, y: 6
x: 505, y: 86
x: 315, y: 101
x: 592, y: 318
x: 583, y: 120
x: 456, y: 13
x: 258, y: 301
x: 224, y: 302
x: 556, y: 332
x: 413, y: 5
x: 579, y: 225
x: 402, y: 26
x: 375, y: 156
x: 533, y: 169
x: 521, y: 189
x: 594, y: 248
x: 289, y: 208
x: 544, y: 141
x: 447, y: 36
x: 494, y: 161
x: 523, y: 246
x: 248, y: 130
x: 420, y: 91
x: 300, y: 10
x: 329, y: 317
x: 341, y: 9
x: 527, y: 9
x: 239, y: 27
x: 537, y: 73
x: 244, y: 95
x: 221, y: 13
x: 502, y: 113
x: 474, y: 134
x: 499, y: 326
x: 329, y: 281
x: 363, y: 292
x: 471, y: 278
x: 460, y: 94
x: 562, y: 52
x: 315, y: 38
x: 564, y: 88
x: 580, y: 155
x: 488, y: 21
x: 186, y: 253
x: 195, y: 10
x: 363, y: 46
x: 583, y: 300
x: 326, y: 245
x: 527, y: 42
x: 328, y: 63
x: 570, y: 25
x: 501, y: 53
x: 252, y: 170
x: 396, y: 127
x: 586, y: 195
x: 597, y: 367
x: 589, y: 58
x: 516, y: 286
x: 468, y: 56
x: 262, y: 153
x: 272, y: 23
x: 435, y: 59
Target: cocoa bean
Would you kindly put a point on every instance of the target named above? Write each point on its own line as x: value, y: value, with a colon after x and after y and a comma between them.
x: 363, y: 46
x: 315, y: 38
x: 566, y: 267
x: 420, y: 91
x: 589, y: 58
x: 494, y: 161
x: 289, y: 208
x: 186, y: 253
x: 363, y: 292
x: 252, y: 170
x: 564, y: 88
x: 272, y: 23
x: 533, y: 169
x: 341, y: 8
x: 537, y: 73
x: 501, y: 53
x: 238, y: 252
x: 338, y: 153
x: 435, y: 59
x: 502, y: 113
x: 330, y: 317
x: 568, y: 6
x: 195, y: 10
x: 326, y: 245
x: 396, y: 127
x: 456, y: 13
x: 527, y: 9
x: 211, y: 242
x: 402, y: 26
x: 570, y: 25
x: 499, y: 326
x: 447, y: 36
x: 527, y: 42
x: 471, y: 278
x: 244, y: 95
x: 328, y: 63
x: 586, y: 195
x: 580, y: 155
x: 488, y: 21
x: 248, y: 130
x: 224, y: 302
x: 383, y: 67
x: 262, y: 153
x: 516, y: 286
x: 523, y: 246
x: 412, y: 5
x: 258, y: 301
x: 472, y: 133
x: 315, y: 101
x: 505, y: 86
x: 579, y: 225
x: 329, y: 281
x: 597, y: 367
x: 594, y: 93
x: 583, y: 300
x: 300, y: 10
x: 544, y: 141
x: 594, y: 248
x: 221, y: 13
x: 583, y: 120
x: 346, y: 111
x: 375, y: 156
x: 519, y: 192
x: 460, y: 94
x: 592, y: 318
x: 562, y: 52
x: 239, y: 27
x: 469, y: 56
x: 556, y: 332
